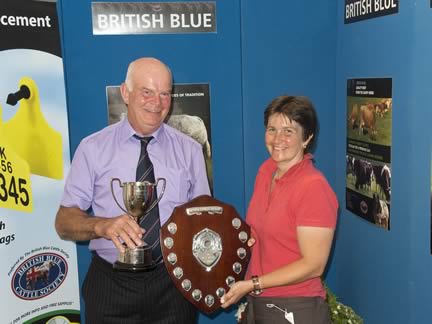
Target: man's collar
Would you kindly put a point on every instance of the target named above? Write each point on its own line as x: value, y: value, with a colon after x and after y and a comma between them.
x: 127, y: 132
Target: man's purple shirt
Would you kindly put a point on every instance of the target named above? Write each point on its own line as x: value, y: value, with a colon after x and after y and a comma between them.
x: 113, y: 152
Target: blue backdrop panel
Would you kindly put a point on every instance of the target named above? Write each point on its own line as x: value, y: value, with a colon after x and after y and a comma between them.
x: 385, y: 275
x: 94, y: 62
x: 288, y: 47
x: 362, y: 248
x: 419, y: 178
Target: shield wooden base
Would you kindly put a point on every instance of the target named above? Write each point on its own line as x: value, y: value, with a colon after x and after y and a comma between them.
x: 204, y: 246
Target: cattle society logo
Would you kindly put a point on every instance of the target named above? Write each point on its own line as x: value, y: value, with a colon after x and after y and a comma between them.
x: 39, y: 276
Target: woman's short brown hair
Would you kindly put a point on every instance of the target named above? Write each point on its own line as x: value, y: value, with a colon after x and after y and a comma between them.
x: 297, y: 108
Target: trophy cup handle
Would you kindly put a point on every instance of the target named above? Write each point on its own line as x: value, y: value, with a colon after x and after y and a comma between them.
x: 159, y: 195
x: 112, y: 191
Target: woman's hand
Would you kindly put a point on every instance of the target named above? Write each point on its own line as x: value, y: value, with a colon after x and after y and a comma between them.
x: 236, y: 292
x: 251, y: 242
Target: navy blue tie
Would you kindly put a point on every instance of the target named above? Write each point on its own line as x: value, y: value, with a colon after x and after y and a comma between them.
x: 150, y: 222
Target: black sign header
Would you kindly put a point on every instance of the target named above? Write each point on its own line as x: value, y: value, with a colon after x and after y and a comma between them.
x: 356, y: 10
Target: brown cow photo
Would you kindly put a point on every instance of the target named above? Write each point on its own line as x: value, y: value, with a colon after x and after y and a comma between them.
x: 369, y: 119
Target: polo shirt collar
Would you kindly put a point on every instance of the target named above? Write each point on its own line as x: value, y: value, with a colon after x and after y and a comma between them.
x: 270, y: 165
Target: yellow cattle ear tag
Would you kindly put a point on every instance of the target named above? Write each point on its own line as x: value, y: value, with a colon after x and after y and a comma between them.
x: 30, y: 135
x: 15, y: 186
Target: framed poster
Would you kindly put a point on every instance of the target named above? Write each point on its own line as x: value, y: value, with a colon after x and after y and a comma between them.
x: 368, y: 151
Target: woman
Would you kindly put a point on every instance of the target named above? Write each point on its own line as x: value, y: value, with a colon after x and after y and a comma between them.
x: 292, y: 214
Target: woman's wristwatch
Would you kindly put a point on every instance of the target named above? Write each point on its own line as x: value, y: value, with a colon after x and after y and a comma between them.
x: 257, y: 290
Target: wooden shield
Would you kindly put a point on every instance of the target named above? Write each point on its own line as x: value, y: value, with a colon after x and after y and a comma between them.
x: 204, y: 246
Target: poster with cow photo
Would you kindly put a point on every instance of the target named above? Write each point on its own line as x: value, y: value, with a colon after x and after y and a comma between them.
x: 190, y: 114
x: 368, y: 151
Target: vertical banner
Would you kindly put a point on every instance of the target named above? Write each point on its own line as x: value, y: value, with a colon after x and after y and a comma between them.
x: 368, y: 152
x: 38, y: 271
x: 190, y: 114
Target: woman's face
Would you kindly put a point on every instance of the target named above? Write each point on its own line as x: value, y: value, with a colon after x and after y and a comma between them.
x: 284, y: 141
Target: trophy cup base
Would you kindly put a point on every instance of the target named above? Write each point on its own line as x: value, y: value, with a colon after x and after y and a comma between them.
x: 134, y: 260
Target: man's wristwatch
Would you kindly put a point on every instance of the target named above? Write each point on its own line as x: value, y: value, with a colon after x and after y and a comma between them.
x: 256, y: 285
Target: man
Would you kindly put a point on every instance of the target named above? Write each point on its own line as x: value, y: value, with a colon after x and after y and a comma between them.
x: 126, y: 297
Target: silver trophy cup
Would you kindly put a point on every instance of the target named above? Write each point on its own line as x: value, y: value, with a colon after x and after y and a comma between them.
x: 138, y: 202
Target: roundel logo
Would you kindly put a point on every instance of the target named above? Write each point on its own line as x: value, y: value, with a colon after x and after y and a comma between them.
x: 364, y: 207
x: 39, y: 276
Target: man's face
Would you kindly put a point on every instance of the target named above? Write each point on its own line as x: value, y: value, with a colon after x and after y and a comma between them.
x: 148, y: 98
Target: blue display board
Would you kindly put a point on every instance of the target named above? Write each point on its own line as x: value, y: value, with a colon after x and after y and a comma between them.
x: 94, y: 62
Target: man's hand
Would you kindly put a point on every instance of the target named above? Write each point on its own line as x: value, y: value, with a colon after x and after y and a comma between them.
x: 120, y: 229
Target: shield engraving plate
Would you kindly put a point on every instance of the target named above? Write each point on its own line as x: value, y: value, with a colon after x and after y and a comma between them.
x: 207, y: 248
x: 207, y: 252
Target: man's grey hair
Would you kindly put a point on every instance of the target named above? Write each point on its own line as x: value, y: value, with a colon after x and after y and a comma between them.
x: 128, y: 80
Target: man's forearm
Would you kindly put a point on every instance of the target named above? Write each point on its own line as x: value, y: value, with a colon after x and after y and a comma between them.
x: 75, y: 225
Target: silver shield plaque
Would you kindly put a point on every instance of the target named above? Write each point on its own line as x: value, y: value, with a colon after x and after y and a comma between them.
x: 205, y: 250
